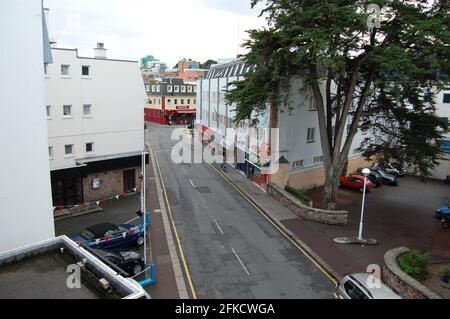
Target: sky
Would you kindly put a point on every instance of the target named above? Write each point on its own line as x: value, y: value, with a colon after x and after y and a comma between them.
x: 167, y: 29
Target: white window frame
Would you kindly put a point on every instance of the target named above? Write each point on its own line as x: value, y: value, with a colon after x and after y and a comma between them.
x: 189, y: 88
x: 69, y: 154
x: 183, y: 88
x: 85, y: 147
x: 48, y: 111
x: 153, y: 88
x: 169, y: 88
x: 158, y: 88
x: 71, y: 111
x: 68, y: 69
x: 310, y: 137
x: 90, y: 110
x: 89, y: 71
x: 318, y: 159
x: 176, y: 88
x: 298, y: 163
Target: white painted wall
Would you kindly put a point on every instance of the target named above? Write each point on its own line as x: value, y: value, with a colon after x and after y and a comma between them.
x: 26, y: 213
x: 442, y: 170
x: 115, y: 90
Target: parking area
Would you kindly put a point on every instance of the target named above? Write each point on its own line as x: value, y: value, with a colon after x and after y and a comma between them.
x: 396, y: 216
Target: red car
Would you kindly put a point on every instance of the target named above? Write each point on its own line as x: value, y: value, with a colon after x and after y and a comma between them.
x: 355, y: 181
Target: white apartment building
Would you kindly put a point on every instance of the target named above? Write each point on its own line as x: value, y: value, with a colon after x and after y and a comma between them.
x: 299, y: 139
x: 94, y: 110
x: 25, y: 202
x: 442, y: 170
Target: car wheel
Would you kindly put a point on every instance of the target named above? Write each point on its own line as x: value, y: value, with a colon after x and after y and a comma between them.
x: 137, y: 269
x: 140, y: 241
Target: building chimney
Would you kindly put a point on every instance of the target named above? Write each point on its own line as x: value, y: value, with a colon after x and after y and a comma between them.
x: 100, y: 51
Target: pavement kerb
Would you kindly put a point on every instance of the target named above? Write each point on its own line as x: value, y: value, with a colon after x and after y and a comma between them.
x: 336, y: 276
x: 179, y: 277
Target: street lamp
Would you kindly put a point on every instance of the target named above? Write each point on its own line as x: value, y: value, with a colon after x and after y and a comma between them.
x: 359, y: 239
x: 366, y: 173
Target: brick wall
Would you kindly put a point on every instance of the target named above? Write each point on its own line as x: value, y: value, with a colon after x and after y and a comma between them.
x: 111, y: 183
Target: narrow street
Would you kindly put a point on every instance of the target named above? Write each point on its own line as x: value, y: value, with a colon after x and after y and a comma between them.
x: 231, y: 250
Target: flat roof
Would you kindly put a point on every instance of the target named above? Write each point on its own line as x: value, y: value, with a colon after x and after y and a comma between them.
x: 40, y: 271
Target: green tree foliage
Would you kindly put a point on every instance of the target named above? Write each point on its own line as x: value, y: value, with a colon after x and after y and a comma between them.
x: 207, y: 64
x: 371, y: 76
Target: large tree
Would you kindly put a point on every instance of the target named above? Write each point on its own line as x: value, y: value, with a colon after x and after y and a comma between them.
x: 362, y: 68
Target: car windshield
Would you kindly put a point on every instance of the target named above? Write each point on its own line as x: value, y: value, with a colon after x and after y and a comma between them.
x: 86, y: 234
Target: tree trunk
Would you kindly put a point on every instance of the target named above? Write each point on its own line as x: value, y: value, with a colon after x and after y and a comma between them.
x: 330, y: 188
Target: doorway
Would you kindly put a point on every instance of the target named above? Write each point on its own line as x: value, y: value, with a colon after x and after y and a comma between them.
x: 129, y: 180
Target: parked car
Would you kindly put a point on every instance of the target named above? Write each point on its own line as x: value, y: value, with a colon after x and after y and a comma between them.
x: 363, y: 286
x: 355, y: 181
x: 400, y: 169
x: 374, y: 177
x: 109, y: 235
x: 390, y: 169
x: 386, y: 178
x: 443, y: 211
x: 129, y: 261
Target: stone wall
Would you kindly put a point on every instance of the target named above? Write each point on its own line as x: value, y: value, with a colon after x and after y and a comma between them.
x: 111, y: 183
x: 403, y: 284
x: 301, y: 210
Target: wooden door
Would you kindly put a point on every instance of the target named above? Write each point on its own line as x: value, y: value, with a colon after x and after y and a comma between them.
x: 129, y: 180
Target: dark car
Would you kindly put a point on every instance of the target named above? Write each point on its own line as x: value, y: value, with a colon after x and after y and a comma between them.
x: 443, y: 211
x: 390, y: 169
x: 108, y: 235
x: 129, y: 261
x: 374, y: 177
x: 388, y: 179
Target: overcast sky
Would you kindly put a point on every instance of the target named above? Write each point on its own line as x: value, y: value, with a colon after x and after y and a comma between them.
x: 166, y: 29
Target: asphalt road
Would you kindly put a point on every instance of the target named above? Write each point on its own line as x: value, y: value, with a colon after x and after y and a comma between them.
x: 231, y: 250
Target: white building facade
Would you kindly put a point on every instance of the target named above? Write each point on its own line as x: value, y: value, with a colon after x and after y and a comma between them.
x: 442, y: 171
x: 94, y: 110
x: 298, y: 136
x: 25, y: 202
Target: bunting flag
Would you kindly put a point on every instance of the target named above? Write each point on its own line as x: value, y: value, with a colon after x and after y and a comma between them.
x: 124, y: 234
x: 97, y: 241
x: 93, y: 203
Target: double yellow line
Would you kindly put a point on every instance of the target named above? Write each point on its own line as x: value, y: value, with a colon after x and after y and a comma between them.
x: 180, y: 248
x: 318, y: 265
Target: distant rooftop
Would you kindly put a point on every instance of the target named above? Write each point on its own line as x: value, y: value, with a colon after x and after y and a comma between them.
x: 39, y: 271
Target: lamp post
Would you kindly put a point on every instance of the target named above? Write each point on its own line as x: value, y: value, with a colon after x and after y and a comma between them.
x: 366, y: 173
x: 359, y: 239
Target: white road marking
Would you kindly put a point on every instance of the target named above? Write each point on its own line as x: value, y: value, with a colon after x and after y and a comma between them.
x: 217, y: 224
x: 190, y: 181
x: 240, y: 261
x: 131, y: 220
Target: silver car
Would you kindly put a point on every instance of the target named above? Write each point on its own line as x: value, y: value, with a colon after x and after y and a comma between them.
x: 363, y: 286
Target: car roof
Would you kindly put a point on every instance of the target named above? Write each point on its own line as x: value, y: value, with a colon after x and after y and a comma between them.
x: 380, y: 292
x: 101, y: 229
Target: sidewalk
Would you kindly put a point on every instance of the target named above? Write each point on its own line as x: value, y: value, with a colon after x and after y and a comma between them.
x: 319, y: 247
x: 166, y: 286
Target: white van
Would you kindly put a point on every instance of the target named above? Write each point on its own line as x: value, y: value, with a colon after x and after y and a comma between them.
x: 363, y: 286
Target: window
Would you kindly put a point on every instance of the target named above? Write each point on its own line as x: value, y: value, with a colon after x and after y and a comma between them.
x: 158, y: 88
x: 85, y: 70
x: 153, y: 88
x: 353, y: 291
x: 188, y: 101
x: 89, y: 147
x: 48, y: 109
x: 446, y: 98
x: 67, y: 110
x: 176, y: 88
x: 65, y: 69
x: 87, y: 108
x: 298, y: 163
x: 168, y: 100
x: 68, y: 149
x: 169, y: 88
x: 183, y: 88
x: 161, y: 113
x: 195, y: 89
x: 195, y: 101
x: 310, y: 135
x: 50, y: 151
x: 182, y: 101
x: 189, y: 88
x: 149, y: 101
x: 159, y: 101
x: 318, y: 159
x: 175, y: 101
x: 147, y: 88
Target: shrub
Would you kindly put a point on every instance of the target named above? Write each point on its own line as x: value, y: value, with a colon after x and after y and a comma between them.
x: 414, y: 264
x: 299, y: 194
